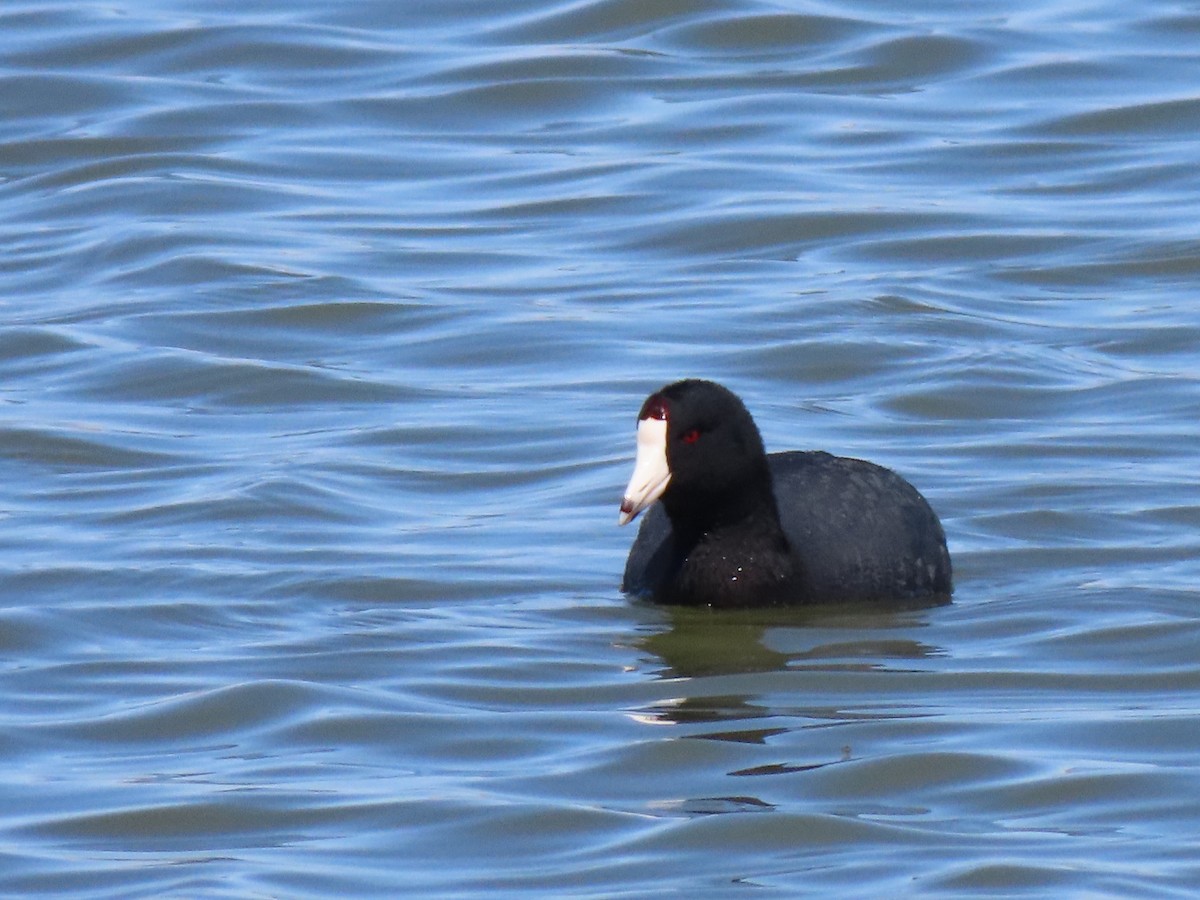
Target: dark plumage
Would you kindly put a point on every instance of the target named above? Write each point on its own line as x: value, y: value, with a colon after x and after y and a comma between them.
x: 736, y: 527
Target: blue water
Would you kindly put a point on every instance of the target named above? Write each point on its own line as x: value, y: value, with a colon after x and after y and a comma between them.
x: 324, y: 330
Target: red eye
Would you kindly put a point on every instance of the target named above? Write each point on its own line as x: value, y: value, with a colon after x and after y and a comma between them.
x: 690, y: 436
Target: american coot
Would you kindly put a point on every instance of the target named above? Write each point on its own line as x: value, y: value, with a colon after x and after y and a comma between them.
x: 736, y: 527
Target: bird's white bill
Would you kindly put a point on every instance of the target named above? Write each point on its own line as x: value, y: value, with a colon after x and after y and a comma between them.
x: 650, y: 470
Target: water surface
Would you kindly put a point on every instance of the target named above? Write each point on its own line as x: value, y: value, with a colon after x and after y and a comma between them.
x: 324, y: 330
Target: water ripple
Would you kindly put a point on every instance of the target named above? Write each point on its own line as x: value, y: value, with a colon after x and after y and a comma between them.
x: 324, y: 333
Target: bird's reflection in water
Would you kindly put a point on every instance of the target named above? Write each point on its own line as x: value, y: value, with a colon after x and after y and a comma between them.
x: 716, y: 654
x: 728, y: 670
x: 704, y: 642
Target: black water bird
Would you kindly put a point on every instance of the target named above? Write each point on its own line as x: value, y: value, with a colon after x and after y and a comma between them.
x: 735, y: 526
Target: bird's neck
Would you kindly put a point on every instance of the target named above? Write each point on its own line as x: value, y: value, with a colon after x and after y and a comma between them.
x: 747, y: 509
x: 739, y: 558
